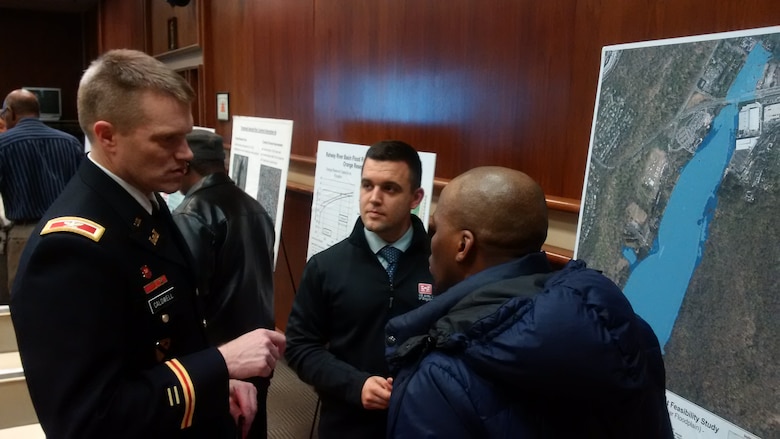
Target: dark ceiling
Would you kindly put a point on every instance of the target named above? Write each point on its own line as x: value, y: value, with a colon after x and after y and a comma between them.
x: 49, y: 5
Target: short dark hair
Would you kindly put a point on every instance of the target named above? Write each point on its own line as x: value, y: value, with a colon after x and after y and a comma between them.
x: 398, y: 151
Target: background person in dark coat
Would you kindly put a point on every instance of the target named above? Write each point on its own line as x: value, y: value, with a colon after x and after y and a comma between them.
x: 104, y: 306
x: 231, y: 237
x: 510, y: 349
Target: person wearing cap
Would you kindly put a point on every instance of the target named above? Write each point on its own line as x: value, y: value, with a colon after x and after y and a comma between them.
x: 231, y: 237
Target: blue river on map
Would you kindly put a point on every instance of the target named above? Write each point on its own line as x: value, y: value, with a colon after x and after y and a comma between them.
x: 657, y: 284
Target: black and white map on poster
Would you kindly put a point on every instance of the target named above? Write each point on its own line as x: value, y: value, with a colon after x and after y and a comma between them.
x: 336, y: 200
x: 679, y: 208
x: 260, y: 161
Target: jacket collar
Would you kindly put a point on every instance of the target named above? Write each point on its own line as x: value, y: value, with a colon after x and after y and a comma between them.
x: 210, y: 180
x: 421, y: 320
x: 140, y: 225
x: 419, y: 236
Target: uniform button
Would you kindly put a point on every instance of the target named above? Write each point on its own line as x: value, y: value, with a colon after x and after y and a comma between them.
x: 165, y: 318
x: 391, y: 340
x: 204, y: 323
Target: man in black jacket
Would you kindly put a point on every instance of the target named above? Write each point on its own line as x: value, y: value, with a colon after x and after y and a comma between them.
x: 231, y: 237
x: 348, y: 292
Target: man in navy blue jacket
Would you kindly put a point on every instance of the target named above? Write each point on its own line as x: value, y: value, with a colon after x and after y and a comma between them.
x: 509, y: 348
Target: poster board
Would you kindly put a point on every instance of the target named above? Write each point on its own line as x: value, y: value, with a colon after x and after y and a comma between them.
x: 259, y: 164
x: 679, y: 208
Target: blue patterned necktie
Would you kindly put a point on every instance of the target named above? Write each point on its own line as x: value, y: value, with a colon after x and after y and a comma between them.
x: 391, y: 255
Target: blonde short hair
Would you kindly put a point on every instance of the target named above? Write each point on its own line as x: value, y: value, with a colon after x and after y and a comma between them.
x: 110, y: 89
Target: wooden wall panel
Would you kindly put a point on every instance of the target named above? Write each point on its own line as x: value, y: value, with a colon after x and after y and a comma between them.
x: 504, y: 82
x: 292, y: 254
x: 186, y: 25
x: 282, y: 63
x: 44, y: 50
x: 510, y: 82
x: 228, y: 52
x: 261, y: 53
x: 122, y: 24
x: 470, y: 82
x: 90, y: 31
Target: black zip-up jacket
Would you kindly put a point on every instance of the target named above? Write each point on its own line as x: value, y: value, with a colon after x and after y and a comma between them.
x: 335, y: 332
x: 231, y: 238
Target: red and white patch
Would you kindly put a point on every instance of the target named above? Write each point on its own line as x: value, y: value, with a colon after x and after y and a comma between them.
x: 74, y: 224
x: 424, y: 292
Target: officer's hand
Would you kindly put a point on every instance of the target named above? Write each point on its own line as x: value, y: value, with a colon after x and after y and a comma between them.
x: 243, y: 404
x: 376, y: 393
x: 253, y: 354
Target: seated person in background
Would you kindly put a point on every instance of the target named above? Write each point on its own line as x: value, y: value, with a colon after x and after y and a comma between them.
x: 509, y: 348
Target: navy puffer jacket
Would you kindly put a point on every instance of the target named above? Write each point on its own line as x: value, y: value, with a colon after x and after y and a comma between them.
x: 517, y: 351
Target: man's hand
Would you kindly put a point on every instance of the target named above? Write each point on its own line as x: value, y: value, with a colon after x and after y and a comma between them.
x: 376, y: 393
x: 243, y: 404
x: 253, y: 354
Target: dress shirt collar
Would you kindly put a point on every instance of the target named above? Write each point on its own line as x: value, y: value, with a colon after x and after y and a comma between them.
x: 145, y: 200
x: 376, y: 243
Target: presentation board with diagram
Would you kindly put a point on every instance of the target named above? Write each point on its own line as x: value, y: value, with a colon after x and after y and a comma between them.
x: 259, y: 163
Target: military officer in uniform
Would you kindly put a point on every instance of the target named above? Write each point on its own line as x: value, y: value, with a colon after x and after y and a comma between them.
x: 104, y: 306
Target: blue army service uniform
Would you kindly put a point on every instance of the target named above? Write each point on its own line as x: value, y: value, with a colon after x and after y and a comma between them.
x: 109, y: 333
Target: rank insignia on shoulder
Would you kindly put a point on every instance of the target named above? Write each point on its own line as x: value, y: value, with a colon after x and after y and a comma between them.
x: 74, y: 224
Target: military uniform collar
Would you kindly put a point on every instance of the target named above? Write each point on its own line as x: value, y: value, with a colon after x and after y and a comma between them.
x: 145, y: 200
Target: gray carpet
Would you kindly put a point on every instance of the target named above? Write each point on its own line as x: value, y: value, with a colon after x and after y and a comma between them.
x: 291, y: 404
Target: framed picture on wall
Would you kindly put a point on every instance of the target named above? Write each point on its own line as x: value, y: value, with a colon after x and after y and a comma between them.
x: 223, y: 106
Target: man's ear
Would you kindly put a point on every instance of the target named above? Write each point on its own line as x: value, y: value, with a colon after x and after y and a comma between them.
x: 466, y: 246
x: 418, y: 197
x: 105, y: 133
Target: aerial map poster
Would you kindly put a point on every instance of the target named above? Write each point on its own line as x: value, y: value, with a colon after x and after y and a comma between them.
x: 680, y: 209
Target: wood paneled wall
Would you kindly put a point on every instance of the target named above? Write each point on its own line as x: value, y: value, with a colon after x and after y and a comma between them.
x: 186, y: 32
x: 480, y: 82
x: 44, y: 50
x: 122, y: 24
